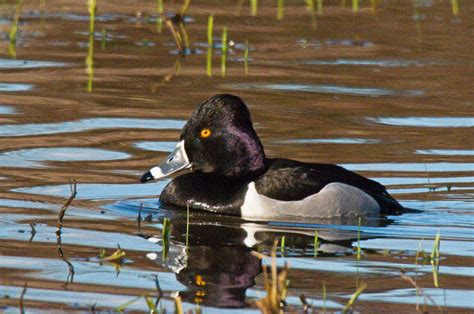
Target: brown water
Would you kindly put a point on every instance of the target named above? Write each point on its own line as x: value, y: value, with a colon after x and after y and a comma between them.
x: 384, y: 92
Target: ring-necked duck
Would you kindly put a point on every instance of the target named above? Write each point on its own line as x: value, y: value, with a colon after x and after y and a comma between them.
x: 231, y: 175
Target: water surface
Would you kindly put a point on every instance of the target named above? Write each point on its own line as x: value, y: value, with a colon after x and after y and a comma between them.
x: 385, y: 91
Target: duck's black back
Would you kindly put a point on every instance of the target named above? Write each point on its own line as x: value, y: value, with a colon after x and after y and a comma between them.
x: 290, y: 180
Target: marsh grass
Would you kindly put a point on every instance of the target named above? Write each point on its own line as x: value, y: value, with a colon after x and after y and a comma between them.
x: 184, y: 8
x: 224, y: 52
x: 210, y: 44
x: 246, y: 58
x: 419, y: 289
x: 316, y: 243
x: 282, y: 245
x: 210, y: 30
x: 176, y: 36
x: 117, y: 257
x: 165, y: 237
x: 159, y: 16
x: 91, y: 7
x: 275, y: 284
x: 358, y: 238
x: 353, y: 298
x: 280, y: 9
x: 434, y: 259
x: 355, y: 6
x: 310, y: 6
x: 59, y: 225
x: 319, y: 7
x: 14, y: 30
x: 455, y: 7
x: 22, y: 297
x: 253, y: 7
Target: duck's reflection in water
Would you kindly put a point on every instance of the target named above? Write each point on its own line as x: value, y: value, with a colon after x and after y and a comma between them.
x: 217, y: 266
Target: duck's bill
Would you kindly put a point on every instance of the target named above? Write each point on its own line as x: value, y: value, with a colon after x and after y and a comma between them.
x: 176, y: 161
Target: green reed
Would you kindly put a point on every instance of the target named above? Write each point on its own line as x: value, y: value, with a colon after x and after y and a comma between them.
x: 165, y: 237
x: 355, y: 6
x: 224, y: 52
x: 434, y: 258
x: 91, y: 7
x: 455, y: 7
x: 358, y: 238
x: 184, y: 8
x: 353, y: 298
x: 14, y: 30
x: 210, y: 29
x: 246, y: 58
x: 282, y: 244
x: 253, y: 7
x: 312, y: 10
x: 316, y: 243
x: 319, y: 7
x: 210, y: 44
x: 90, y: 62
x: 159, y: 14
x: 280, y: 9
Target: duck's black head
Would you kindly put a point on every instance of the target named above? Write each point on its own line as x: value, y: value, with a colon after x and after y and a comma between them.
x: 218, y: 138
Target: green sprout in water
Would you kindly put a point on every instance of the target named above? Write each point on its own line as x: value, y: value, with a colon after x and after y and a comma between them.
x: 355, y: 6
x: 312, y: 10
x: 165, y: 237
x: 14, y: 31
x: 282, y: 245
x: 455, y: 7
x: 253, y: 7
x: 353, y: 298
x: 246, y: 58
x: 358, y: 238
x: 280, y: 9
x: 91, y: 6
x: 316, y: 243
x: 224, y: 52
x: 435, y: 259
x: 210, y: 27
x: 319, y: 6
x: 159, y: 19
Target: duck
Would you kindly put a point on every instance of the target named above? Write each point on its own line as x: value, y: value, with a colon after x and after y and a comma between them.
x: 219, y: 165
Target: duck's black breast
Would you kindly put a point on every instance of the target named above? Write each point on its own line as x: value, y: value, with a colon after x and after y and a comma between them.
x: 206, y: 191
x: 290, y: 180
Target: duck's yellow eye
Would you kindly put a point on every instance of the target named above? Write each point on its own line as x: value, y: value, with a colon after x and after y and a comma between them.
x: 205, y: 133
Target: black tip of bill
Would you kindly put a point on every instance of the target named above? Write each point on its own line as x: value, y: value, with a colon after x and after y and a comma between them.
x: 147, y: 176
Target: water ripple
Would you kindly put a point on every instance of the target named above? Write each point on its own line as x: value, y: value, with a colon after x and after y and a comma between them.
x: 88, y: 124
x: 326, y: 89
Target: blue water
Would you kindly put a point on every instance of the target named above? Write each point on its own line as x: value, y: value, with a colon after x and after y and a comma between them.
x: 14, y: 130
